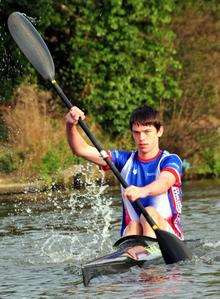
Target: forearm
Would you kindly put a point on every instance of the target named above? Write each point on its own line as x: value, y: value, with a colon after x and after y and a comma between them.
x: 80, y: 147
x: 75, y: 140
x: 159, y: 186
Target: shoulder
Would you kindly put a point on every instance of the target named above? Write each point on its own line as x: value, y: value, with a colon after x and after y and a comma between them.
x: 120, y: 153
x: 120, y: 157
x: 173, y: 164
x: 170, y: 159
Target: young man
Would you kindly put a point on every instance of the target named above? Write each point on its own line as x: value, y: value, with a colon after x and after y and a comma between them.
x: 153, y: 175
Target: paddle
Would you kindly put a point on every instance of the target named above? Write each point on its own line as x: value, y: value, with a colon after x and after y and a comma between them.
x: 34, y: 48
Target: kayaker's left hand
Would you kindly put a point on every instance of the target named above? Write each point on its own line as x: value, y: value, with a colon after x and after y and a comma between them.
x: 133, y: 192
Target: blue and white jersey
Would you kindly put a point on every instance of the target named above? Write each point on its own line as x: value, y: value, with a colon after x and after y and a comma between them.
x: 140, y: 173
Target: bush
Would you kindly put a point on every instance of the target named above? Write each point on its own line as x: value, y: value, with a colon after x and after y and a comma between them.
x: 120, y: 56
x: 3, y: 131
x: 212, y: 162
x: 7, y: 163
x: 50, y: 163
x: 55, y: 160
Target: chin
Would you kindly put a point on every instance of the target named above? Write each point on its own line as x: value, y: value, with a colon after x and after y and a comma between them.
x: 144, y: 151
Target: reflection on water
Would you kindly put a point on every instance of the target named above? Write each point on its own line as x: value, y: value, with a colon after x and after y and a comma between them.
x: 44, y: 242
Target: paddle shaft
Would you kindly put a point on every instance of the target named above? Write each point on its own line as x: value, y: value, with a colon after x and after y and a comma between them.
x: 98, y: 146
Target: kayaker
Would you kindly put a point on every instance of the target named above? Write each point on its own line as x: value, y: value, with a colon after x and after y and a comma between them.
x: 153, y: 175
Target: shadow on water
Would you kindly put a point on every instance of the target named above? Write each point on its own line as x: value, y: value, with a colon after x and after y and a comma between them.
x: 44, y: 242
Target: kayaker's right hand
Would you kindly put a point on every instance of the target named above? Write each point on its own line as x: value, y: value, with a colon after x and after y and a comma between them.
x: 73, y: 116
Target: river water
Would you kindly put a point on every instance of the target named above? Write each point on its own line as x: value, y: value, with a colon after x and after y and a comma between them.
x: 45, y: 238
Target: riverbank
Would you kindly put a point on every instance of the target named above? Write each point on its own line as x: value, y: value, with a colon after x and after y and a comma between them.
x: 76, y: 177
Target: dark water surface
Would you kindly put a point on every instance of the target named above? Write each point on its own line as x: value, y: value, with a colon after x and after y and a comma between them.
x: 44, y: 242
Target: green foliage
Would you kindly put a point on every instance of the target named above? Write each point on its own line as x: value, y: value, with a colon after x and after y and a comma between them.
x: 212, y: 162
x: 122, y: 54
x: 217, y: 167
x: 13, y: 65
x: 111, y: 56
x: 50, y: 163
x: 202, y: 6
x: 3, y: 131
x: 7, y: 163
x: 56, y: 159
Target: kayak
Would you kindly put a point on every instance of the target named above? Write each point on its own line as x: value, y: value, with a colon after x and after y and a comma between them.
x: 119, y: 262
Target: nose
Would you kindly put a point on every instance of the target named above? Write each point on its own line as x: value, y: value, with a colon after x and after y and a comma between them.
x: 142, y: 135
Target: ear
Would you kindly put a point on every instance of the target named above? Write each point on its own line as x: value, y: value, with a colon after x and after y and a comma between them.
x: 160, y: 131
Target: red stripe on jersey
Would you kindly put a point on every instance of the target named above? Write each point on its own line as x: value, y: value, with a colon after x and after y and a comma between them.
x: 127, y: 218
x: 175, y: 173
x: 176, y: 229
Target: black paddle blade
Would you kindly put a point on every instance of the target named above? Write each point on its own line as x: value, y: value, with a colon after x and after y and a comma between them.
x: 173, y: 249
x: 31, y: 44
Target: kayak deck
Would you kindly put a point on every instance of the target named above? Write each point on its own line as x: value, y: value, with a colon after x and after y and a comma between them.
x: 119, y: 261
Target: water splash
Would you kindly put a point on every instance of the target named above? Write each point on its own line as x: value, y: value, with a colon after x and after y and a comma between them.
x: 59, y: 248
x: 212, y: 245
x: 78, y: 228
x: 33, y: 20
x: 97, y: 218
x: 90, y: 231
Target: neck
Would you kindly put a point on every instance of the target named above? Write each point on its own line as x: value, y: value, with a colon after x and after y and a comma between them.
x: 150, y: 155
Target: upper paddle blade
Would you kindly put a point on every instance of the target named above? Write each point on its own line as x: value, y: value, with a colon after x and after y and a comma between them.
x: 173, y: 249
x: 31, y: 44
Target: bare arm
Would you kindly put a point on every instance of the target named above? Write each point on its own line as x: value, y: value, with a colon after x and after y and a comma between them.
x: 165, y: 180
x: 76, y: 142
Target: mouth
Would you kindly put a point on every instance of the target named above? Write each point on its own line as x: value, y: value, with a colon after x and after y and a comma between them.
x: 143, y: 144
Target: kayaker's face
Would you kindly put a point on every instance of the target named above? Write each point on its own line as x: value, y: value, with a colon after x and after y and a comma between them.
x: 146, y: 139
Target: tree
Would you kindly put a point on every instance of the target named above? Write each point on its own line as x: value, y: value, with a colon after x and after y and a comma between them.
x: 120, y: 55
x: 110, y: 55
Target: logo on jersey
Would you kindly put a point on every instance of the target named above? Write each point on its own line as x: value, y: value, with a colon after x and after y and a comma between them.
x: 135, y: 171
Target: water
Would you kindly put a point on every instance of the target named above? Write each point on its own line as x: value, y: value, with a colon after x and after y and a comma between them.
x: 44, y: 241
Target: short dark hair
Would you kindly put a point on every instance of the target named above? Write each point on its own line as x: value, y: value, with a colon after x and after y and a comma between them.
x: 145, y: 115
